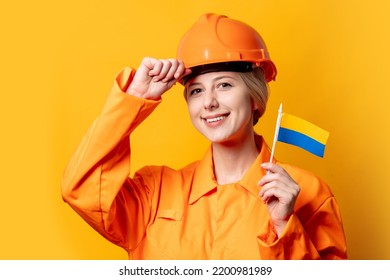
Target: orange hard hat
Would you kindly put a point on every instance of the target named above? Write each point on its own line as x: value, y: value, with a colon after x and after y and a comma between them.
x: 217, y: 41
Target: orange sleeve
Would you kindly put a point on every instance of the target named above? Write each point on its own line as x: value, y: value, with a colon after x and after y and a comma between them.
x: 96, y: 180
x: 321, y: 238
x: 314, y: 230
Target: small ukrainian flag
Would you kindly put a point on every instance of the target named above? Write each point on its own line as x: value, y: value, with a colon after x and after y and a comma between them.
x: 301, y: 133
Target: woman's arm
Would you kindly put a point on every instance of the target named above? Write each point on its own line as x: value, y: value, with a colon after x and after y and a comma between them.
x: 100, y: 166
x: 305, y: 220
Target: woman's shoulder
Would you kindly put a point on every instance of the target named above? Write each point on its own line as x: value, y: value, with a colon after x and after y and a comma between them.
x: 300, y: 174
x: 314, y: 194
x: 313, y: 187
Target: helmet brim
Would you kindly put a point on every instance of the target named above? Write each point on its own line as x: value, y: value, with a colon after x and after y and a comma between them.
x: 231, y: 66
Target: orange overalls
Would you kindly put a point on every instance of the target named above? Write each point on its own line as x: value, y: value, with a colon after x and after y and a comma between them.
x: 163, y: 213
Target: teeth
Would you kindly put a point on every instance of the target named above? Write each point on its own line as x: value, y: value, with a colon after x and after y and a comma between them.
x: 215, y: 119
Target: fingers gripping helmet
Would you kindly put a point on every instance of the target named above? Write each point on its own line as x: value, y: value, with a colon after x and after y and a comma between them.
x: 218, y: 42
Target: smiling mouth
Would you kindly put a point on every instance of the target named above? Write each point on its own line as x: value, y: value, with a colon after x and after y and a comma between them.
x: 215, y: 119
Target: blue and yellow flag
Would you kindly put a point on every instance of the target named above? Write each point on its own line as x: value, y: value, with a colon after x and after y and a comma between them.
x: 299, y: 132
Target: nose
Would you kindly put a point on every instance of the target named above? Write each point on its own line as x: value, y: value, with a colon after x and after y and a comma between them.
x: 210, y: 100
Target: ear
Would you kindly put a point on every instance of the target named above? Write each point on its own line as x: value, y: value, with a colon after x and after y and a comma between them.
x: 255, y: 106
x: 256, y: 112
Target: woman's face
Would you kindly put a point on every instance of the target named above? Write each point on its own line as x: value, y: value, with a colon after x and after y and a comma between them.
x: 220, y: 106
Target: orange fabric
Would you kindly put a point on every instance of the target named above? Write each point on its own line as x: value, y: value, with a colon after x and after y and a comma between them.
x: 163, y: 213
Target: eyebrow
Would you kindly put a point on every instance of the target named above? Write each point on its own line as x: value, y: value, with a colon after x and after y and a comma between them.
x: 214, y: 80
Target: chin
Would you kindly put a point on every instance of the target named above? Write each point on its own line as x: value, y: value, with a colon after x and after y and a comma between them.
x: 217, y: 135
x: 219, y: 139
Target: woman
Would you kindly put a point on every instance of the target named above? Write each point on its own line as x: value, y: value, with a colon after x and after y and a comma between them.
x: 231, y: 204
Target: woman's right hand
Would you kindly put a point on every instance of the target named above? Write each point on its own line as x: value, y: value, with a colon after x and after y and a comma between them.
x: 155, y: 76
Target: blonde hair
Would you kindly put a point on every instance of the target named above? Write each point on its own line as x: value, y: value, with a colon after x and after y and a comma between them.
x: 258, y: 90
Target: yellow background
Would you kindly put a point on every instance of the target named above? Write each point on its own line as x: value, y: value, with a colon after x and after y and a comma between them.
x: 58, y: 60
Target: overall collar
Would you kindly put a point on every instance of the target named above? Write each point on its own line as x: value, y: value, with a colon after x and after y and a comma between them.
x: 204, y: 179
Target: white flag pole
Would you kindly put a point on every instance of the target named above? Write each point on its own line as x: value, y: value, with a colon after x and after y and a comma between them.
x: 276, y: 132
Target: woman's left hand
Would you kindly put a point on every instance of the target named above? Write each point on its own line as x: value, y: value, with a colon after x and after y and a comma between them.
x: 280, y: 192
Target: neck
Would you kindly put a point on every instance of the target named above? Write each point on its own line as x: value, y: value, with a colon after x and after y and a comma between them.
x: 232, y: 160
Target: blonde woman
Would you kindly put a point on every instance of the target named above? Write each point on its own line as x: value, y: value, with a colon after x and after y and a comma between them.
x: 232, y: 203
